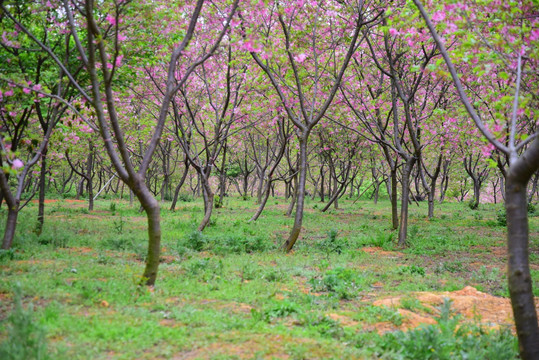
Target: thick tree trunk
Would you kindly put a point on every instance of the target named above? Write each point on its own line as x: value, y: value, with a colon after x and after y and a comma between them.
x: 431, y: 202
x: 208, y: 203
x: 403, y: 227
x: 151, y: 207
x: 476, y: 191
x: 80, y: 189
x: 518, y: 271
x: 296, y: 229
x: 11, y: 224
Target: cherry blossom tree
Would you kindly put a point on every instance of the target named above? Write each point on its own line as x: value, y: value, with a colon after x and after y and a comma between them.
x: 96, y: 31
x: 511, y: 43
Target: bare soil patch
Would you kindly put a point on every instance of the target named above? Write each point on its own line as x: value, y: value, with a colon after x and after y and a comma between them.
x: 471, y: 304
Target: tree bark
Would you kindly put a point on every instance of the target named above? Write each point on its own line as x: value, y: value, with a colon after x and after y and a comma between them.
x: 208, y: 203
x: 394, y: 204
x: 11, y: 224
x: 179, y: 186
x: 41, y: 201
x: 403, y: 228
x: 296, y: 229
x: 89, y: 182
x: 518, y: 271
x: 153, y: 214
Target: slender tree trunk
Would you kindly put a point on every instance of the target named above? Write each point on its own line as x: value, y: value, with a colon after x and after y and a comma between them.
x: 443, y: 188
x: 89, y: 182
x: 179, y: 186
x: 533, y: 189
x: 375, y: 193
x: 260, y: 190
x: 403, y: 228
x: 263, y: 202
x: 41, y: 202
x: 338, y: 191
x: 322, y: 180
x: 394, y: 201
x: 296, y: 229
x: 294, y: 197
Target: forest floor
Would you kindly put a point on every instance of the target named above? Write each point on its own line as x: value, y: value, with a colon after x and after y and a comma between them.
x: 345, y: 292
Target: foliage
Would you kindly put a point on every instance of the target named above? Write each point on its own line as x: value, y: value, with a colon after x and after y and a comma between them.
x: 25, y: 337
x: 449, y: 339
x: 342, y: 282
x: 412, y: 270
x: 333, y: 243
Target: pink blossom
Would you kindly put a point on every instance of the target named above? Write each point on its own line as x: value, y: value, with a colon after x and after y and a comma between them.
x: 393, y: 32
x: 119, y: 60
x: 438, y: 16
x: 451, y: 27
x: 534, y: 35
x: 300, y: 58
x: 36, y: 87
x: 111, y: 19
x: 26, y: 90
x: 122, y: 37
x: 17, y: 164
x: 9, y: 92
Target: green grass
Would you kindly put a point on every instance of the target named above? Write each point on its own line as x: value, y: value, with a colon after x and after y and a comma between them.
x: 231, y: 293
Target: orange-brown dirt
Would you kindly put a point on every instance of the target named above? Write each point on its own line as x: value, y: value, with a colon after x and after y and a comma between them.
x: 472, y: 304
x: 379, y: 251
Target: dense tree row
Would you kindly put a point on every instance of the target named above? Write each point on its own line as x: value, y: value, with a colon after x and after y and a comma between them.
x: 158, y: 100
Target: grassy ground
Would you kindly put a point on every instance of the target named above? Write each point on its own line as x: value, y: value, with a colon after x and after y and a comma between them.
x: 231, y: 294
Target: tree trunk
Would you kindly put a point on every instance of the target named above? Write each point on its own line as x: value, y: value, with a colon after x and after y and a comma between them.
x: 263, y: 202
x: 296, y: 229
x: 294, y: 197
x: 403, y: 228
x: 11, y: 224
x: 518, y: 271
x: 179, y: 186
x: 431, y: 202
x: 394, y: 204
x: 476, y: 191
x: 208, y: 202
x: 322, y: 180
x: 89, y: 182
x: 80, y: 189
x: 375, y: 193
x: 41, y: 202
x: 260, y: 190
x: 151, y: 207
